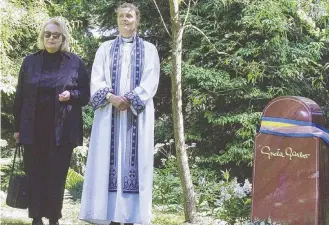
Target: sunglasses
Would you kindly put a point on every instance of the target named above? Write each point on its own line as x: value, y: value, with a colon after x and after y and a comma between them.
x: 55, y: 35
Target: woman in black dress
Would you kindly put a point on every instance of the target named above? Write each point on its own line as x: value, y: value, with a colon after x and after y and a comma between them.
x: 53, y: 85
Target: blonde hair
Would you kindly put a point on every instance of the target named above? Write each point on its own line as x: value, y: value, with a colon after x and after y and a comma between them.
x: 64, y: 30
x: 131, y: 7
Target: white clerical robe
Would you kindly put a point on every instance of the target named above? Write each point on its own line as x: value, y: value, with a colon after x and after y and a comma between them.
x: 98, y: 205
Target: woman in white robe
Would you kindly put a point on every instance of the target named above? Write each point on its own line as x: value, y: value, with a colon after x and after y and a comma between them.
x: 119, y: 174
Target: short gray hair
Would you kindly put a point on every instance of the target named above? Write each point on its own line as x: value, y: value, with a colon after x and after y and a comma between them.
x: 64, y: 30
x: 131, y: 7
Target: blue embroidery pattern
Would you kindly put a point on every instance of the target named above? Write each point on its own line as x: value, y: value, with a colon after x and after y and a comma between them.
x: 136, y: 102
x: 113, y: 182
x: 130, y: 183
x: 114, y: 70
x: 130, y: 180
x: 99, y: 97
x: 129, y: 176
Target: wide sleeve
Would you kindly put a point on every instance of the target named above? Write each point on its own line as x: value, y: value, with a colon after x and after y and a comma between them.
x: 80, y: 96
x: 148, y: 86
x: 18, y: 101
x: 99, y: 87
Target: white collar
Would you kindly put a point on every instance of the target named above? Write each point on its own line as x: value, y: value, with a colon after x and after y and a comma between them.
x: 127, y: 40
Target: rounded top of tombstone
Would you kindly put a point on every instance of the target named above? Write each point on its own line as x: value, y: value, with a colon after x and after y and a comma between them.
x: 295, y: 108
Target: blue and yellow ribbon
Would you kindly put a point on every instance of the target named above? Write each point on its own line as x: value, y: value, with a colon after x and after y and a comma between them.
x: 293, y: 128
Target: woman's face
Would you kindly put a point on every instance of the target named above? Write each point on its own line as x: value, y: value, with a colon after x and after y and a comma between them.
x: 52, y: 38
x: 127, y: 22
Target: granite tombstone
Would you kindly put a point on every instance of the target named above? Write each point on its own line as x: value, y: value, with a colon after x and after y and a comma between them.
x: 291, y: 164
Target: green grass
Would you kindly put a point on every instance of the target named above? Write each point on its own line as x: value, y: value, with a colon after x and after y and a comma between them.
x: 167, y: 219
x: 11, y: 216
x: 160, y: 219
x: 10, y: 221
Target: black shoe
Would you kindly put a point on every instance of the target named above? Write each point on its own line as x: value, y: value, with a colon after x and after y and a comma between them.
x: 53, y: 222
x: 37, y: 222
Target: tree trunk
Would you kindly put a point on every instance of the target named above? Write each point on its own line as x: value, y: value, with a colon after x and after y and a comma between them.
x: 176, y: 92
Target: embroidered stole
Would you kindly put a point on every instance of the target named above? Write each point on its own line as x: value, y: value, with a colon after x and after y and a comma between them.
x: 129, y: 173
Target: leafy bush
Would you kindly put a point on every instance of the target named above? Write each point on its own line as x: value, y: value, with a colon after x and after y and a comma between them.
x: 234, y: 202
x: 88, y: 117
x: 6, y: 172
x: 166, y: 189
x: 7, y: 143
x: 5, y: 175
x: 225, y: 199
x: 74, y: 184
x: 74, y: 180
x: 79, y: 158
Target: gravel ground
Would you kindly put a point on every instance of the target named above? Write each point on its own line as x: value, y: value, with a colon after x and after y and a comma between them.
x: 11, y: 215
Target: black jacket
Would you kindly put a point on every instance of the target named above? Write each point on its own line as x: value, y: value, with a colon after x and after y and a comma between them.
x: 72, y: 76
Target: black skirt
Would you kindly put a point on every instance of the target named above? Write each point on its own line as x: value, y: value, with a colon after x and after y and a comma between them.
x: 46, y: 164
